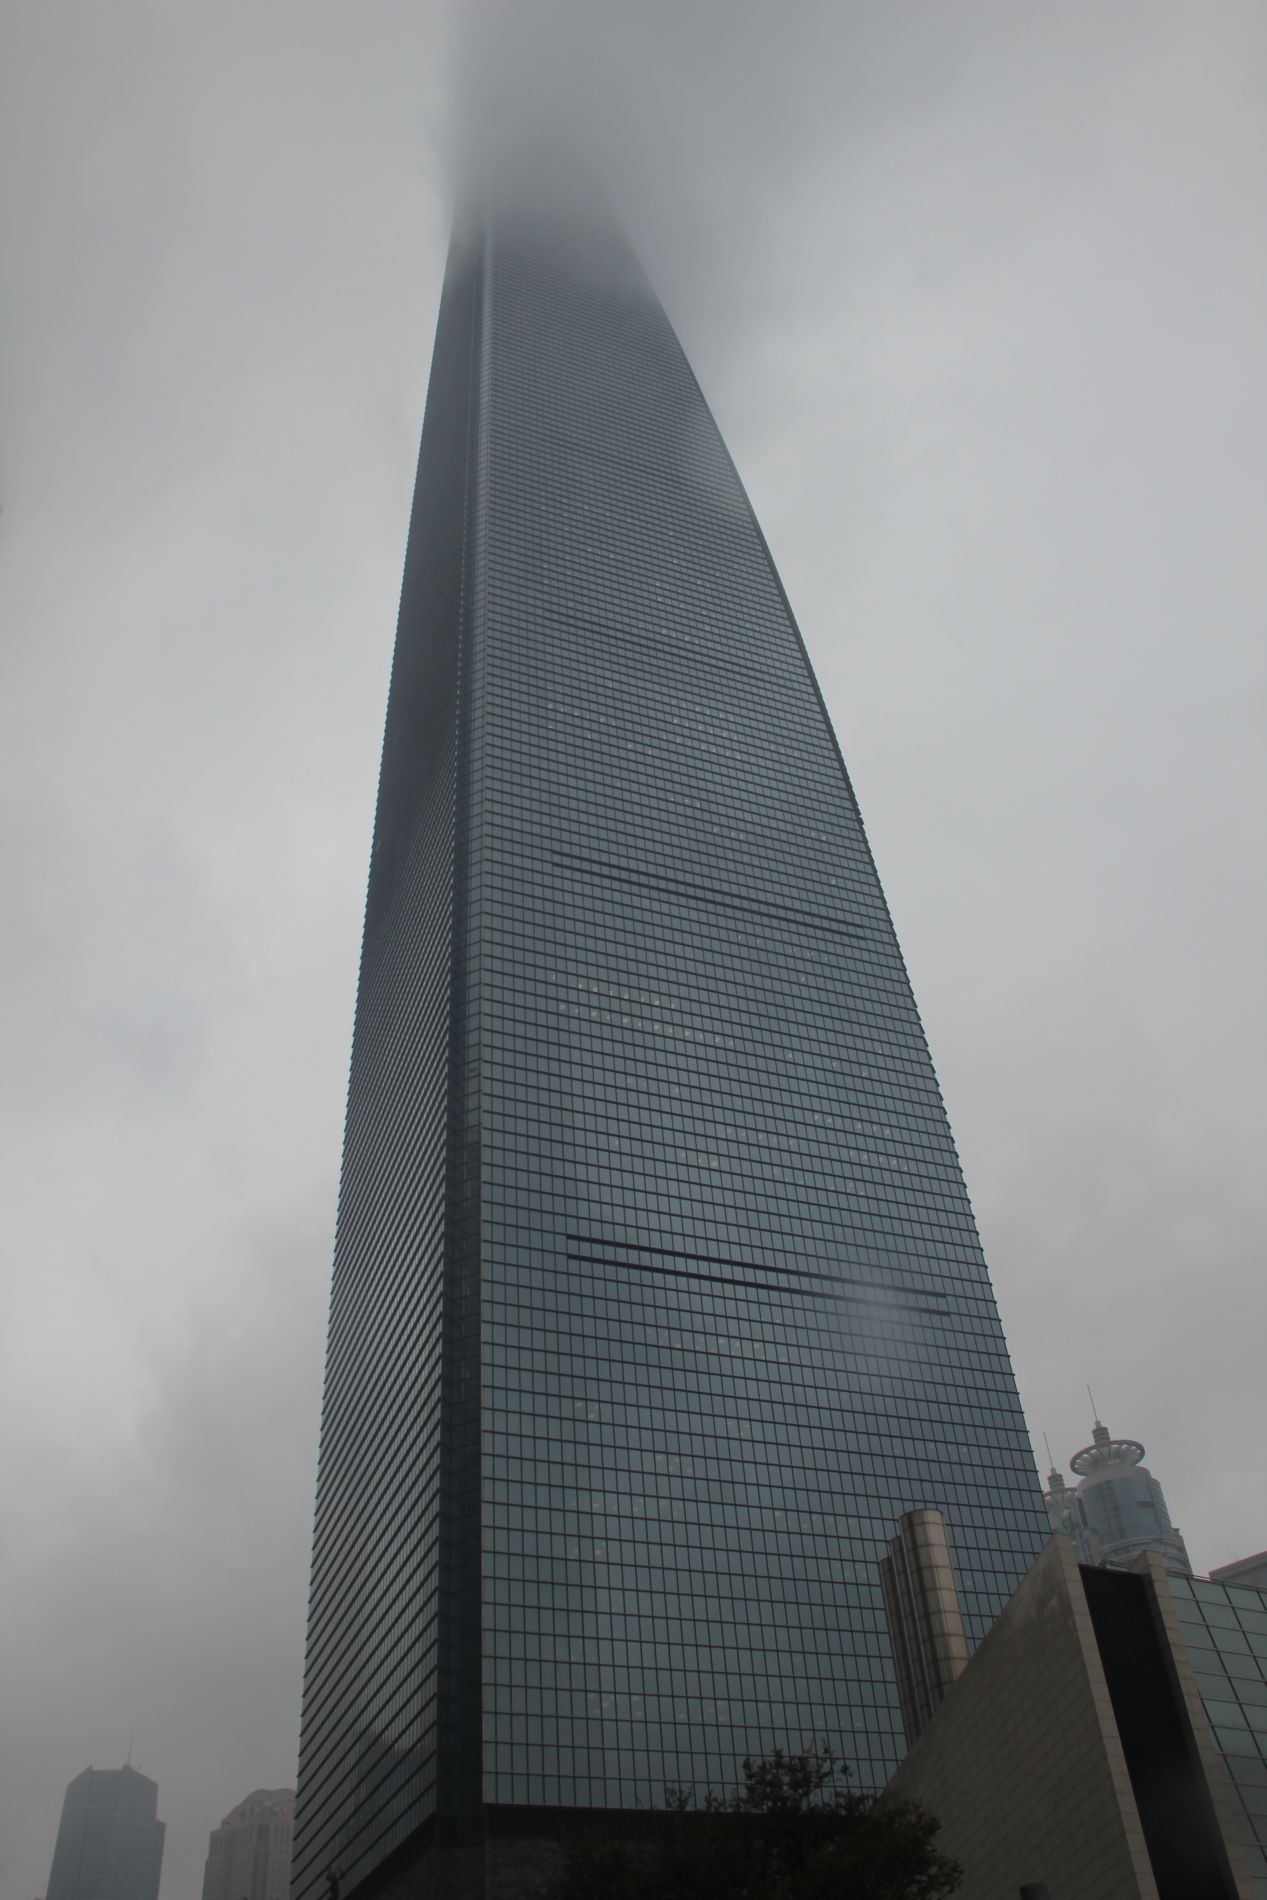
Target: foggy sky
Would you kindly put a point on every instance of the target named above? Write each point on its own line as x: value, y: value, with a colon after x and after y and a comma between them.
x: 978, y: 293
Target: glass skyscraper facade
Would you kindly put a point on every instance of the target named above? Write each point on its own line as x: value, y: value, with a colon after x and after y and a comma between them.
x: 1225, y: 1633
x: 657, y: 1294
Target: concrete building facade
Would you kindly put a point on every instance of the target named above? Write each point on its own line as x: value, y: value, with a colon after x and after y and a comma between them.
x: 1074, y: 1753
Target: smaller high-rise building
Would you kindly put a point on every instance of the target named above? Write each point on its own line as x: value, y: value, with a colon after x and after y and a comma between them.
x: 1249, y: 1572
x: 248, y: 1855
x: 110, y: 1841
x: 1117, y: 1510
x: 921, y: 1604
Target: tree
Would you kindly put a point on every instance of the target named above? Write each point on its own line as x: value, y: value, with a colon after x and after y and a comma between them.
x: 795, y: 1830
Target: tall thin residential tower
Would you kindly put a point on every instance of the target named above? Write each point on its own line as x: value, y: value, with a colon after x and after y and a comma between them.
x: 657, y: 1295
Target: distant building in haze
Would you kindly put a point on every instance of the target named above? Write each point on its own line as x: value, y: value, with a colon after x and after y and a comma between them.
x: 1117, y: 1510
x: 110, y: 1842
x: 248, y: 1855
x: 1249, y: 1572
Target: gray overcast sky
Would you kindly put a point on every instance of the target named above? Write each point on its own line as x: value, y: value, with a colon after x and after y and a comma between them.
x: 978, y: 292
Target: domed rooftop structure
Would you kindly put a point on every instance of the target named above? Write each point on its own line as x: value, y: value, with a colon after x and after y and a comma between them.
x: 1105, y: 1452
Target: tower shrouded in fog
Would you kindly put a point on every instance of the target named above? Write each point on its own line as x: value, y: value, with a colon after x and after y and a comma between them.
x: 110, y: 1841
x: 248, y: 1855
x: 657, y: 1295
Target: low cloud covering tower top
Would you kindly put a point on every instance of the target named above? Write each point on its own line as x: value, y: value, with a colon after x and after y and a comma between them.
x: 657, y: 1294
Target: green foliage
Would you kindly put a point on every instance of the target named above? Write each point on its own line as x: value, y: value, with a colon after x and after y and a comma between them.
x: 793, y: 1831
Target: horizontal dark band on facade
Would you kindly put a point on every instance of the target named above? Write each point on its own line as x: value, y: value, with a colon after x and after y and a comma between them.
x: 880, y: 1288
x: 822, y: 1289
x: 685, y: 649
x: 708, y: 894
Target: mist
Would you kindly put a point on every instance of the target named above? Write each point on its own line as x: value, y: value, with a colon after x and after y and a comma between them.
x: 978, y: 296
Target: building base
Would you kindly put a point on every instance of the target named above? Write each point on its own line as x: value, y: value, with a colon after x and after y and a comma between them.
x: 498, y: 1853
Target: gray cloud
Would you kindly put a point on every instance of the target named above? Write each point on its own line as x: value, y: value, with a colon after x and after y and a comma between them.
x: 978, y: 295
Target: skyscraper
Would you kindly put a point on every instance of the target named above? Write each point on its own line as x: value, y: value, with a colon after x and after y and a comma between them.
x: 110, y: 1841
x: 1117, y: 1509
x: 657, y: 1295
x: 248, y: 1855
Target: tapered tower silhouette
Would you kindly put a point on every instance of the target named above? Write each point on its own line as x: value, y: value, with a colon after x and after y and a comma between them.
x: 110, y: 1841
x: 657, y: 1294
